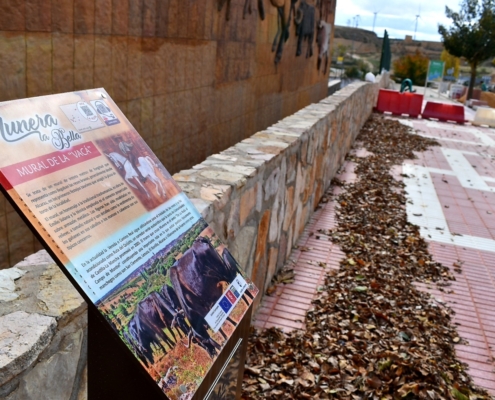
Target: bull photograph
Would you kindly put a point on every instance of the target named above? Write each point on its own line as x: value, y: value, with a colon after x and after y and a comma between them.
x: 141, y: 170
x: 163, y: 311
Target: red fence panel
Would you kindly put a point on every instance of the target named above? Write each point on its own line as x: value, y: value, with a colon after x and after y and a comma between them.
x: 399, y: 103
x: 444, y: 112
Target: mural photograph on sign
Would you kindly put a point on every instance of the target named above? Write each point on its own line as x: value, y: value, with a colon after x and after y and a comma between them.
x: 139, y: 167
x: 120, y: 226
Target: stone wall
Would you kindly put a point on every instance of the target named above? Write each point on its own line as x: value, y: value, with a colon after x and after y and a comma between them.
x: 43, y: 333
x: 259, y: 194
x: 191, y: 82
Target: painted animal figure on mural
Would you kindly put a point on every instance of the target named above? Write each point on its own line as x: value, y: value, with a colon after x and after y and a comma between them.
x: 146, y: 167
x: 305, y: 31
x: 130, y: 173
x: 323, y: 41
x: 285, y: 10
x: 221, y: 3
x: 248, y: 8
x: 127, y: 150
x: 261, y: 9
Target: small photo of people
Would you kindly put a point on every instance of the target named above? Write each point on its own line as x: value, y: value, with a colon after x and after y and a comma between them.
x: 140, y: 168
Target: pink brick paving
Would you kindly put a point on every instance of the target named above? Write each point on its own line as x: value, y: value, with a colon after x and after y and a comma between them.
x: 470, y: 212
x: 288, y: 305
x: 467, y: 211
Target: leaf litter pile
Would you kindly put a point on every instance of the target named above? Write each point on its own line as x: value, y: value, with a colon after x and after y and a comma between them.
x: 370, y: 333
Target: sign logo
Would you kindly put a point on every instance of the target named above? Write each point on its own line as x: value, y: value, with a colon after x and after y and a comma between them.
x: 225, y: 304
x: 105, y: 113
x: 231, y: 296
x: 20, y: 129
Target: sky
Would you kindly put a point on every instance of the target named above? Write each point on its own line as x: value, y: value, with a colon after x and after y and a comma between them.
x: 398, y: 17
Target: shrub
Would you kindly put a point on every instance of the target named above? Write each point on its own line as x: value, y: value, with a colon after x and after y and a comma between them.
x: 413, y: 67
x: 357, y: 71
x: 451, y: 62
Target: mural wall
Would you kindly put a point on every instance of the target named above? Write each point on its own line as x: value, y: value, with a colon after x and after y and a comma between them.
x: 192, y: 80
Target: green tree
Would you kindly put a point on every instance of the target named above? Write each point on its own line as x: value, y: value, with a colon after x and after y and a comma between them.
x: 411, y: 67
x: 451, y: 62
x: 471, y: 34
x: 341, y: 50
x: 358, y: 70
x: 144, y: 275
x: 123, y: 310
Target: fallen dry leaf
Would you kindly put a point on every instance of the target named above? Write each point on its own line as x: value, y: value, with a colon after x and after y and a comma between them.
x: 370, y: 334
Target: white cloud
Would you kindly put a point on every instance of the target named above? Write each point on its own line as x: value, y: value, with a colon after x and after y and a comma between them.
x: 398, y: 17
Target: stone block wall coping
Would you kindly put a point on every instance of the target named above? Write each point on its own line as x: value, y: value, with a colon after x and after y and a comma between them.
x: 43, y: 324
x: 259, y: 193
x: 210, y: 184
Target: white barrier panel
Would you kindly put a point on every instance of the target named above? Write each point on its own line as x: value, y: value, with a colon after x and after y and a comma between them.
x: 456, y: 91
x: 485, y: 116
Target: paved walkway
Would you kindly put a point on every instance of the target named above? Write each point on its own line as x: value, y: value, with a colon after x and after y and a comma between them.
x: 451, y: 189
x: 311, y: 260
x: 452, y: 198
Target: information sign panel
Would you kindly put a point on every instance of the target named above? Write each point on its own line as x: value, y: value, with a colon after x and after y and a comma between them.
x: 435, y: 71
x: 124, y: 232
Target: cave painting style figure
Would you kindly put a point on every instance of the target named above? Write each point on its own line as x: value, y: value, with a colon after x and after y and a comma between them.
x: 323, y: 41
x: 305, y: 31
x: 285, y: 10
x: 248, y: 8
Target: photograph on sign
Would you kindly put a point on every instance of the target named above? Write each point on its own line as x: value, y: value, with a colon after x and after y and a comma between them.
x: 137, y: 165
x: 131, y: 240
